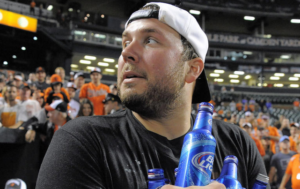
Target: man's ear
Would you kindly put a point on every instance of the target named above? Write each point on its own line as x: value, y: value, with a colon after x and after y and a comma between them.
x: 196, y: 66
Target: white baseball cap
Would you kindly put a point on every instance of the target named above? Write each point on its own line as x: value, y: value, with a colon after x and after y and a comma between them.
x: 187, y: 26
x: 96, y: 70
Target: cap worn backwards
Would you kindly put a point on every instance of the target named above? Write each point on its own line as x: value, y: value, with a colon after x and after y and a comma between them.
x: 187, y: 26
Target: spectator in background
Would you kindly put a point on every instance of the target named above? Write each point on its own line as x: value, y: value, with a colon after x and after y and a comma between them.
x: 71, y: 89
x: 248, y: 116
x: 270, y: 132
x: 48, y: 81
x: 31, y: 78
x: 233, y: 119
x: 61, y: 72
x: 248, y: 128
x: 18, y: 81
x: 252, y: 104
x: 259, y: 119
x: 268, y: 152
x: 261, y: 105
x: 285, y: 127
x: 41, y: 10
x: 95, y: 91
x: 28, y: 107
x: 32, y: 6
x: 292, y: 170
x: 232, y: 106
x: 223, y: 89
x: 57, y: 113
x: 9, y: 113
x: 280, y: 161
x: 112, y: 104
x: 56, y: 88
x: 294, y: 138
x: 79, y: 81
x: 40, y: 99
x: 269, y: 106
x: 86, y: 108
x: 41, y: 84
x: 216, y: 116
x: 239, y: 106
x: 296, y: 104
x: 218, y: 101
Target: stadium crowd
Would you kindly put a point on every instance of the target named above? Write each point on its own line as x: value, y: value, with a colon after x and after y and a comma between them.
x: 42, y: 105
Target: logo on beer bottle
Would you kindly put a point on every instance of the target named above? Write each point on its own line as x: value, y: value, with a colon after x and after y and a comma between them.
x: 204, y: 162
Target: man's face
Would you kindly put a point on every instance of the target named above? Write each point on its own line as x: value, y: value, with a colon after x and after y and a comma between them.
x: 247, y: 129
x: 61, y: 73
x: 25, y: 94
x: 294, y: 131
x: 41, y: 76
x: 54, y: 116
x: 12, y: 93
x: 150, y: 70
x: 284, y: 145
x: 79, y: 82
x: 71, y: 92
x: 95, y: 77
x: 18, y: 83
x: 56, y: 88
x: 108, y: 106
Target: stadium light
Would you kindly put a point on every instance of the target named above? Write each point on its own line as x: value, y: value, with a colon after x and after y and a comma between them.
x: 85, y: 62
x: 278, y: 85
x: 294, y: 85
x: 239, y: 72
x: 214, y: 75
x: 218, y: 80
x: 195, y: 12
x: 108, y: 60
x: 74, y: 66
x: 285, y: 56
x: 247, y: 76
x: 294, y: 78
x: 274, y: 78
x: 35, y: 38
x: 5, y: 62
x: 50, y: 7
x: 279, y: 74
x: 14, y: 56
x: 233, y: 76
x: 89, y: 57
x: 103, y: 64
x: 109, y: 70
x: 248, y: 52
x: 23, y: 48
x: 249, y: 18
x: 296, y: 75
x: 90, y: 67
x: 234, y: 81
x: 116, y: 66
x: 264, y: 84
x: 295, y: 21
x: 219, y: 71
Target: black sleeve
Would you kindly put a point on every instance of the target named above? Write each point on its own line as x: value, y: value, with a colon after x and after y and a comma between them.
x: 71, y: 162
x: 65, y: 97
x: 49, y: 98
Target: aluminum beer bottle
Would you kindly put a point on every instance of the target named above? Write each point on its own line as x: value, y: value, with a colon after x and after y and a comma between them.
x: 228, y: 175
x: 198, y: 151
x: 155, y: 178
x: 261, y: 182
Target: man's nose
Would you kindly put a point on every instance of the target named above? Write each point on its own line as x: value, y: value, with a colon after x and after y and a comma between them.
x: 131, y: 52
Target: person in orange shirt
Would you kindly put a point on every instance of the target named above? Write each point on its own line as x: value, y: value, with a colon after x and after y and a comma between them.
x: 296, y: 104
x: 32, y: 6
x: 56, y: 87
x: 239, y: 106
x: 269, y: 132
x: 259, y: 119
x: 248, y: 128
x: 292, y: 170
x: 95, y: 91
x: 294, y: 138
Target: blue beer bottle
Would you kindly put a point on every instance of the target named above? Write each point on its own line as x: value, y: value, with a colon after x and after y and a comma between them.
x: 228, y: 175
x: 198, y: 151
x: 156, y: 178
x: 261, y: 182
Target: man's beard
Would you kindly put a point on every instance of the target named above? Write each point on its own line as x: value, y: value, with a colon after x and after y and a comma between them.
x: 160, y: 98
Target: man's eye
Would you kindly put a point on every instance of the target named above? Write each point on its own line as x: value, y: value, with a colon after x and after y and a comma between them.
x: 126, y: 43
x: 150, y: 41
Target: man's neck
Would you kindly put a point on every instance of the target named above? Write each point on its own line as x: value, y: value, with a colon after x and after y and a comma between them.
x: 96, y: 83
x: 41, y: 81
x: 285, y: 151
x: 172, y: 126
x: 12, y: 103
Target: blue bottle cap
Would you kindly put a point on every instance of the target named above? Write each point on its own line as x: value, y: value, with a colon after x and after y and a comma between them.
x: 206, y: 106
x: 155, y: 174
x: 231, y: 159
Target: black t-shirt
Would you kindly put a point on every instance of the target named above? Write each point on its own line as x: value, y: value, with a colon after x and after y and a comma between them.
x: 41, y: 86
x: 116, y: 151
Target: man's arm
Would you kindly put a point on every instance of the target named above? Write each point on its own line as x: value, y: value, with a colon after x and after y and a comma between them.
x: 284, y: 180
x: 272, y: 174
x: 16, y: 125
x: 275, y: 138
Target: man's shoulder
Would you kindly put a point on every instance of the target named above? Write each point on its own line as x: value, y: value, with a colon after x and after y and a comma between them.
x: 96, y: 124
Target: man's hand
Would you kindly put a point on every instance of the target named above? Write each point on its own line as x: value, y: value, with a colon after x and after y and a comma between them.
x: 30, y: 136
x: 213, y: 185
